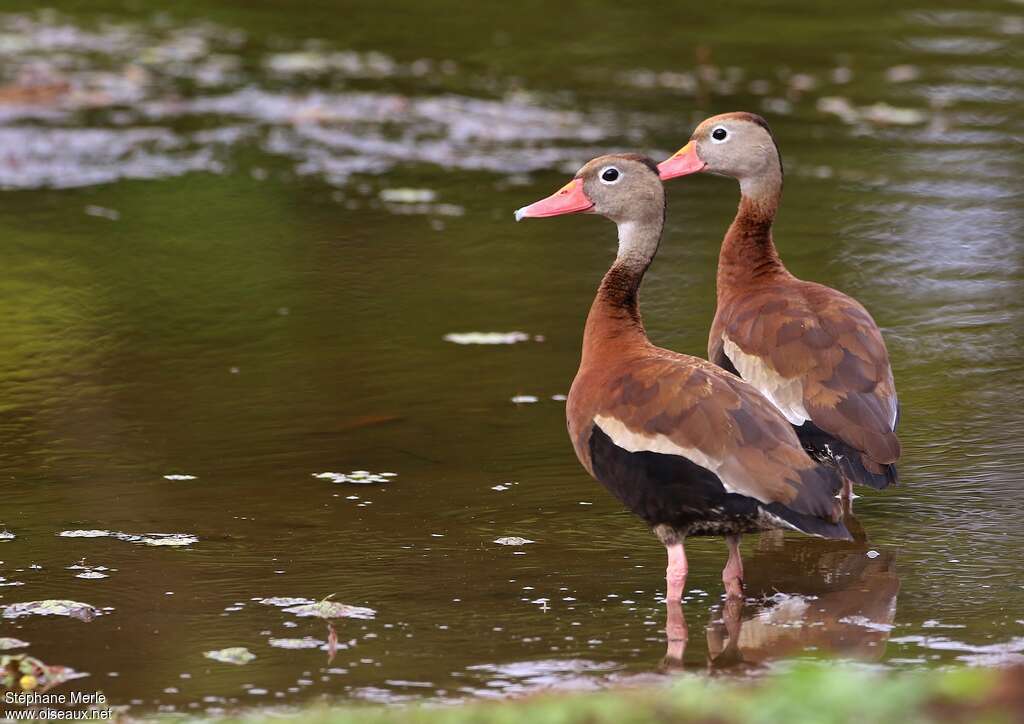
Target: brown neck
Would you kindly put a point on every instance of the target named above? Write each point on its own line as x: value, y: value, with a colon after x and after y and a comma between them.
x: 748, y: 253
x: 614, y: 321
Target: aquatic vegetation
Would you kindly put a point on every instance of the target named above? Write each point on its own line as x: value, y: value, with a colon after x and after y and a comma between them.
x: 172, y: 540
x: 131, y: 75
x: 306, y: 642
x: 74, y: 157
x: 879, y: 113
x: 524, y: 399
x: 327, y: 609
x: 89, y: 572
x: 487, y: 337
x: 804, y: 694
x: 357, y: 477
x: 408, y: 196
x: 284, y: 601
x: 102, y: 212
x: 51, y: 607
x: 211, y: 322
x: 238, y: 655
x: 21, y: 672
x: 1004, y: 653
x: 350, y: 64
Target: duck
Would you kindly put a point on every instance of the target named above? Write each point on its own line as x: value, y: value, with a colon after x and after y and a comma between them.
x: 687, y: 446
x: 813, y: 351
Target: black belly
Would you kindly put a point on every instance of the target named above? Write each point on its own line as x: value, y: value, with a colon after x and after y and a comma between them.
x: 672, y: 491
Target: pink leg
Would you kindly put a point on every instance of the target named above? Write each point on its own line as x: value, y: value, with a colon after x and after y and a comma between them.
x: 732, y: 574
x: 675, y: 574
x: 675, y: 624
x: 677, y: 634
x: 847, y: 489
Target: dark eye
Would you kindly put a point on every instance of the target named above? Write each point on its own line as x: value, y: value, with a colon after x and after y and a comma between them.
x: 719, y: 134
x: 610, y: 175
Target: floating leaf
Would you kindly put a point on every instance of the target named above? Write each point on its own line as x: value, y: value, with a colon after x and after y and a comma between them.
x: 867, y: 623
x: 174, y: 540
x: 307, y: 642
x: 513, y: 540
x: 331, y: 609
x: 51, y: 607
x: 285, y: 601
x: 103, y: 212
x: 883, y: 113
x: 237, y: 655
x: 486, y: 337
x: 408, y: 196
x: 879, y: 113
x: 358, y: 477
x: 525, y: 399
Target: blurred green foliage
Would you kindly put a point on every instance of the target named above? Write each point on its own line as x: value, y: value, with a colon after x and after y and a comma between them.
x: 811, y: 694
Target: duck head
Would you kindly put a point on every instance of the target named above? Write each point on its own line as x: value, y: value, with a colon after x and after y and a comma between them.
x: 739, y: 145
x: 622, y: 187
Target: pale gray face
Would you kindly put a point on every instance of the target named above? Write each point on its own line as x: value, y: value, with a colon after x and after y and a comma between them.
x: 623, y: 188
x: 733, y: 145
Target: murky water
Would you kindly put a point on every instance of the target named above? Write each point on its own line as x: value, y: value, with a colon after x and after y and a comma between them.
x: 235, y: 242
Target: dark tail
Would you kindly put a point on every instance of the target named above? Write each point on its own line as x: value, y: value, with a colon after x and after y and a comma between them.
x: 810, y: 524
x: 853, y: 464
x: 861, y: 469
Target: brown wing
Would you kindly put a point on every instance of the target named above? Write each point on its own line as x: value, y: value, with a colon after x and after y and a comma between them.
x: 817, y: 355
x: 675, y: 404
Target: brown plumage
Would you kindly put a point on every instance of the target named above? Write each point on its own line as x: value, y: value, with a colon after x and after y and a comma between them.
x: 815, y: 352
x: 690, y: 448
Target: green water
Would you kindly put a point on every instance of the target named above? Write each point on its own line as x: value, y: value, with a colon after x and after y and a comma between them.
x: 203, y: 276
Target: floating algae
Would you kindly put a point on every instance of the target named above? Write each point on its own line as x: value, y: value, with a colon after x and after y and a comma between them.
x: 51, y: 607
x: 237, y: 655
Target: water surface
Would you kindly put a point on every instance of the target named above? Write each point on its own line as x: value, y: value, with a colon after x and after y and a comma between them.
x: 237, y: 236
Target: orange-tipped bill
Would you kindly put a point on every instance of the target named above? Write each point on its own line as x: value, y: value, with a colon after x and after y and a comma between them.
x: 569, y: 199
x: 684, y: 162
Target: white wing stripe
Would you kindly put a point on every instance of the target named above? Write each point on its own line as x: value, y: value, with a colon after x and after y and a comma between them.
x: 786, y: 395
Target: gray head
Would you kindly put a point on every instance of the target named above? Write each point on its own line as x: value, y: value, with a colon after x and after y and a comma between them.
x: 622, y: 187
x: 739, y: 145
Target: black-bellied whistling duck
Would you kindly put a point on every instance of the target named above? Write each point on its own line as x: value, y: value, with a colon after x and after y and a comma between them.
x: 813, y: 351
x: 690, y: 448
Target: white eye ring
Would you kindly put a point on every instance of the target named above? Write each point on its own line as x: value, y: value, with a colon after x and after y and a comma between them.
x: 715, y: 130
x: 612, y: 171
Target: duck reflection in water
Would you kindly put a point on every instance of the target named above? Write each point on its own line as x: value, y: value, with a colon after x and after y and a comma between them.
x: 804, y: 597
